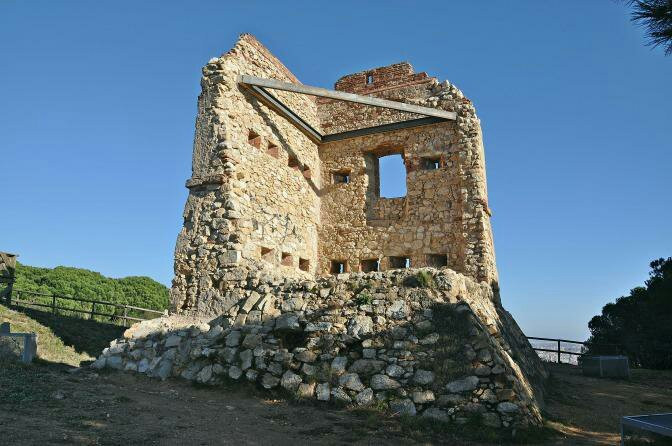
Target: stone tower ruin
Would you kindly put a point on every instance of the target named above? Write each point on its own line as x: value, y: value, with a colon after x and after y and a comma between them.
x: 296, y: 191
x: 292, y: 271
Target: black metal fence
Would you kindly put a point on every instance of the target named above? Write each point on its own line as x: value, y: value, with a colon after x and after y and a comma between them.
x: 558, y: 351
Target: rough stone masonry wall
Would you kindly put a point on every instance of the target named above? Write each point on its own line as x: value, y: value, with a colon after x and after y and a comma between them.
x: 428, y: 342
x: 445, y: 211
x: 263, y: 220
x: 248, y: 203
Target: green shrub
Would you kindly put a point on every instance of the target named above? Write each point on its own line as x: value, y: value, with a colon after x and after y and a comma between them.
x: 425, y: 279
x: 364, y: 298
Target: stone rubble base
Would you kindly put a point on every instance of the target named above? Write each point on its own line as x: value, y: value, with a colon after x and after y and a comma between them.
x: 421, y: 342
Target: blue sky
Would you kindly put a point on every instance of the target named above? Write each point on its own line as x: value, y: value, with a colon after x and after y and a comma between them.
x: 98, y: 101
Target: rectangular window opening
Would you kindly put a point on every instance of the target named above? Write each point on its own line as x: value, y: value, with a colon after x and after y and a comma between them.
x: 370, y: 265
x: 338, y: 266
x: 431, y: 163
x: 400, y: 262
x: 266, y: 254
x: 254, y: 139
x: 286, y: 259
x: 273, y: 150
x: 341, y: 177
x: 437, y: 260
x: 304, y: 265
x: 391, y: 176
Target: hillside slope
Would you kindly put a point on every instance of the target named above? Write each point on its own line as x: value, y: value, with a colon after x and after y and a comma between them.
x: 49, y: 346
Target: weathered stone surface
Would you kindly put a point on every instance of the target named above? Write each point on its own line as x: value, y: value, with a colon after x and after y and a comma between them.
x: 395, y: 371
x: 114, y: 362
x: 323, y: 392
x: 365, y: 397
x: 164, y: 368
x: 402, y: 407
x: 306, y: 390
x: 268, y: 381
x: 306, y: 356
x: 383, y: 382
x: 233, y: 338
x: 360, y: 326
x: 288, y: 322
x: 252, y: 340
x: 507, y: 407
x: 340, y: 395
x: 422, y: 397
x: 173, y: 341
x: 423, y: 377
x: 366, y: 366
x: 351, y: 381
x: 290, y: 381
x: 339, y: 364
x: 463, y: 385
x: 436, y: 414
x: 205, y: 374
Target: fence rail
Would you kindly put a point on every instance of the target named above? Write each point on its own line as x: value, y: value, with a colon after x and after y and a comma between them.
x: 557, y: 350
x: 124, y: 315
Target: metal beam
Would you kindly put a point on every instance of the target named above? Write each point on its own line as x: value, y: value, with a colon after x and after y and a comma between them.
x: 382, y: 128
x: 343, y: 96
x: 274, y: 103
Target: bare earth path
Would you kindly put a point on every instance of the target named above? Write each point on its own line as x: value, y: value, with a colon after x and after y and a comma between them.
x: 45, y: 404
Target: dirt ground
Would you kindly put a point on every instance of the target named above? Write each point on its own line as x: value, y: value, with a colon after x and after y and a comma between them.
x: 47, y: 404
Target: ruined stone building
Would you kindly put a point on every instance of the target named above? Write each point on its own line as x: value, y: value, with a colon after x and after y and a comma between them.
x: 265, y: 194
x: 292, y: 271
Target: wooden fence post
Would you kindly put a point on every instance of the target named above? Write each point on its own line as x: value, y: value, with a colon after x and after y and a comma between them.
x: 558, y: 351
x: 53, y: 304
x: 93, y: 309
x: 125, y: 314
x: 9, y: 292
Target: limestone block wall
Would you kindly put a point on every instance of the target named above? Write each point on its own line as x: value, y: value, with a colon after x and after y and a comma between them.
x: 263, y: 195
x: 254, y: 187
x: 424, y: 342
x: 445, y: 212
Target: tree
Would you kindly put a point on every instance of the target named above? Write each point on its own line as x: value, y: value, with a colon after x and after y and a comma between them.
x: 639, y: 325
x: 66, y: 281
x: 656, y: 17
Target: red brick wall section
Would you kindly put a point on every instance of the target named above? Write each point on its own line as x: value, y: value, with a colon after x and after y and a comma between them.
x: 396, y: 75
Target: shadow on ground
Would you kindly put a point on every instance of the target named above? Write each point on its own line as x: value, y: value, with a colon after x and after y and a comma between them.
x: 84, y: 335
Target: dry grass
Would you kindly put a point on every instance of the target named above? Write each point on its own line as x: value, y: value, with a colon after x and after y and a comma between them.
x: 50, y: 347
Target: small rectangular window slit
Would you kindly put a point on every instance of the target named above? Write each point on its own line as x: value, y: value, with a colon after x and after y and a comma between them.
x: 341, y: 177
x: 286, y: 259
x: 273, y: 150
x: 266, y: 254
x: 304, y: 264
x: 338, y: 266
x: 293, y: 162
x: 437, y: 260
x: 400, y: 262
x: 254, y: 139
x: 431, y: 163
x: 370, y: 265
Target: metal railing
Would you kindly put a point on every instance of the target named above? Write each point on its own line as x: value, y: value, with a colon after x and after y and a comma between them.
x: 557, y: 350
x: 15, y: 300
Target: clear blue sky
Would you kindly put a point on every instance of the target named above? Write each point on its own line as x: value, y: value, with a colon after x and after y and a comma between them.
x: 98, y: 100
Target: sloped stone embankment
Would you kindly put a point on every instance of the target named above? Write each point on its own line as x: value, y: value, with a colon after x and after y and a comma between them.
x: 423, y: 341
